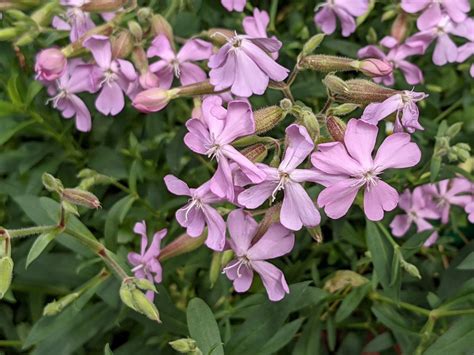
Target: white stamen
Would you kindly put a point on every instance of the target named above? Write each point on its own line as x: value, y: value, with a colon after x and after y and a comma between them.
x: 284, y: 177
x: 242, y: 261
x: 138, y: 267
x: 109, y: 78
x: 194, y: 202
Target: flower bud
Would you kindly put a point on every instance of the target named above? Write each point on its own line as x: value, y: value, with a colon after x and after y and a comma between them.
x: 144, y: 305
x: 81, y: 198
x: 136, y: 30
x: 343, y: 109
x: 56, y: 307
x: 153, y: 100
x: 326, y: 63
x: 410, y: 269
x: 343, y: 278
x: 219, y: 36
x: 149, y: 80
x: 6, y: 271
x: 185, y: 346
x: 181, y: 245
x: 316, y: 233
x: 312, y: 43
x: 103, y: 5
x: 335, y: 85
x: 51, y: 183
x: 50, y: 64
x: 255, y: 153
x: 215, y: 268
x: 336, y: 128
x: 267, y: 118
x: 373, y: 67
x: 286, y: 104
x: 144, y: 14
x: 144, y: 284
x: 399, y: 27
x: 196, y: 89
x: 140, y: 59
x: 122, y: 45
x: 9, y: 33
x: 159, y: 26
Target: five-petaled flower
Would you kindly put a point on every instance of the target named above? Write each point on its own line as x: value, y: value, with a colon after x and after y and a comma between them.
x: 344, y: 10
x: 351, y: 167
x: 198, y: 212
x: 297, y: 208
x: 146, y: 264
x: 252, y: 255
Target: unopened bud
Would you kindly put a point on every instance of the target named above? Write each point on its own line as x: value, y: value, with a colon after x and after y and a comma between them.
x: 326, y: 63
x: 144, y: 284
x: 6, y: 271
x: 336, y: 128
x: 103, y: 5
x: 149, y: 80
x: 196, y: 89
x: 122, y: 45
x: 43, y: 15
x: 9, y: 33
x: 159, y: 26
x: 219, y: 36
x: 454, y: 129
x: 316, y: 233
x: 343, y: 278
x: 335, y: 85
x: 81, y: 198
x: 343, y: 109
x: 267, y: 118
x: 154, y: 100
x: 50, y: 64
x: 410, y: 269
x: 305, y: 117
x: 140, y: 59
x: 181, y: 245
x: 373, y: 67
x: 312, y: 44
x: 144, y: 305
x: 56, y: 307
x: 255, y: 153
x: 399, y: 27
x: 286, y: 104
x: 51, y: 183
x: 452, y: 156
x: 215, y: 268
x: 136, y: 30
x: 387, y: 15
x: 185, y: 346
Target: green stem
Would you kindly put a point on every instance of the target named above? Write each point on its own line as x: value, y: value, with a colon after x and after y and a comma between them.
x: 10, y: 343
x: 375, y: 296
x: 26, y: 232
x: 448, y: 111
x: 439, y: 313
x: 387, y: 235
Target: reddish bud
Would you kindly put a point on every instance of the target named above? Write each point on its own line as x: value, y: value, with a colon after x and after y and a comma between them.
x: 103, y: 5
x: 153, y: 100
x: 122, y: 45
x: 50, y: 64
x: 336, y: 128
x: 399, y: 27
x: 159, y: 26
x: 374, y: 67
x: 149, y: 80
x: 81, y: 198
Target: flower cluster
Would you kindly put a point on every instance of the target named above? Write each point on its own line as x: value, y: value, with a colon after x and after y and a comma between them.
x: 432, y: 202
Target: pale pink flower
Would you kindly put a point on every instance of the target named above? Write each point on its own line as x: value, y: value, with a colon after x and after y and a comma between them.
x: 112, y: 76
x: 76, y: 21
x: 251, y: 256
x: 418, y: 210
x: 433, y: 11
x: 464, y: 52
x: 470, y: 211
x: 297, y: 209
x: 234, y: 5
x: 213, y: 134
x: 403, y: 104
x: 50, y: 64
x: 256, y: 26
x: 349, y: 167
x: 198, y: 212
x: 396, y: 56
x: 445, y: 50
x: 146, y: 264
x: 344, y: 10
x: 457, y: 191
x: 179, y: 65
x: 244, y: 65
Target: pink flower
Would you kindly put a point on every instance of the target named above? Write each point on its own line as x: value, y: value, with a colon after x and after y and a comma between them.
x: 146, y: 264
x: 464, y: 52
x: 458, y: 192
x: 417, y: 211
x: 403, y: 104
x: 445, y: 50
x: 213, y: 134
x: 432, y: 14
x: 111, y: 76
x: 256, y: 26
x: 148, y: 80
x: 244, y: 66
x: 198, y: 212
x: 344, y: 10
x: 250, y: 257
x: 50, y: 64
x: 297, y: 208
x: 75, y: 20
x: 65, y: 90
x: 234, y: 5
x: 151, y: 100
x: 350, y: 166
x: 180, y: 65
x: 397, y: 58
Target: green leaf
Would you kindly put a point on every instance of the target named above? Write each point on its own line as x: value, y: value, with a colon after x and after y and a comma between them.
x: 12, y: 90
x: 467, y: 263
x: 115, y: 218
x: 33, y: 89
x: 351, y: 302
x: 203, y: 327
x: 331, y: 329
x: 107, y: 350
x: 39, y: 245
x: 284, y: 335
x: 10, y: 127
x: 457, y: 340
x: 381, y: 342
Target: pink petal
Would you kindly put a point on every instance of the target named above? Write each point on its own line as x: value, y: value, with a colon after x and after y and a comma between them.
x: 239, y: 122
x: 222, y: 183
x: 101, y: 50
x: 191, y: 73
x: 396, y: 151
x: 413, y: 74
x: 326, y: 20
x: 445, y: 50
x: 249, y: 78
x: 176, y: 186
x: 215, y: 228
x: 255, y: 196
x: 110, y: 100
x: 277, y: 241
x: 332, y: 158
x: 223, y: 77
x: 242, y: 228
x: 430, y: 17
x: 255, y: 174
x: 83, y: 116
x: 348, y: 23
x: 195, y: 49
x: 400, y: 225
x: 198, y: 137
x: 271, y: 68
x: 298, y: 210
x: 161, y: 47
x: 273, y: 280
x: 299, y: 146
x: 379, y: 198
x: 413, y: 6
x: 338, y: 198
x: 359, y: 140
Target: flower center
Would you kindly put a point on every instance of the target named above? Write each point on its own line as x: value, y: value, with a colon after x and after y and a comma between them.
x: 193, y: 203
x: 109, y: 78
x: 214, y: 151
x: 284, y: 178
x: 62, y: 94
x: 368, y: 178
x: 242, y: 261
x: 176, y: 69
